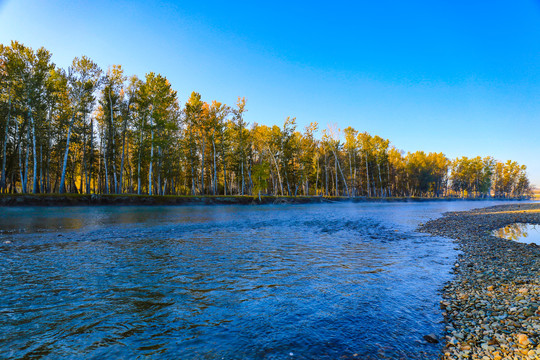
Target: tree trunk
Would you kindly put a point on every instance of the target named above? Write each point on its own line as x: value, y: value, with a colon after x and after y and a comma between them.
x: 287, y: 178
x: 90, y: 157
x: 66, y: 153
x: 223, y: 156
x: 139, y: 165
x: 272, y: 178
x: 250, y: 189
x: 336, y: 169
x: 21, y: 175
x: 342, y: 176
x: 202, y: 161
x: 111, y: 132
x: 351, y: 174
x: 99, y: 184
x: 380, y: 179
x: 123, y: 152
x: 106, y: 172
x: 317, y: 179
x: 224, y: 178
x: 242, y: 166
x: 83, y: 161
x: 389, y: 191
x: 41, y: 168
x: 130, y: 180
x: 326, y: 173
x: 35, y: 184
x: 277, y: 171
x: 4, y: 146
x: 49, y: 167
x: 373, y: 185
x: 25, y: 182
x: 151, y: 158
x: 192, y: 165
x: 354, y: 176
x: 19, y: 151
x: 367, y: 177
x: 159, y: 191
x: 215, y: 169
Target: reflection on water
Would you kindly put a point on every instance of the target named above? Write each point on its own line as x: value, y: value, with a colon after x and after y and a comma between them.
x: 525, y: 233
x: 326, y: 281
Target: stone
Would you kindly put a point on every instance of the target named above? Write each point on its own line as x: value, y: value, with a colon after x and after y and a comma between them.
x: 523, y: 340
x: 431, y: 338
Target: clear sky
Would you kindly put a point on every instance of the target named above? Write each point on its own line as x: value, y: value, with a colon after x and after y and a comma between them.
x: 458, y: 77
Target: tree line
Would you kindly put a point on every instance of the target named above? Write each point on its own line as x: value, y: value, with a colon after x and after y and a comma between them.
x: 89, y: 131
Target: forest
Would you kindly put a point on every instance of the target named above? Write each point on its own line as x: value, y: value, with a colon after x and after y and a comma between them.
x: 89, y: 131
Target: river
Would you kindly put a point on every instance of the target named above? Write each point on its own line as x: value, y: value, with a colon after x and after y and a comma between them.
x: 324, y: 281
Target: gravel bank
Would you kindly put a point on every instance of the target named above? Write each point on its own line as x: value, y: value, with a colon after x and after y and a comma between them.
x: 492, y: 307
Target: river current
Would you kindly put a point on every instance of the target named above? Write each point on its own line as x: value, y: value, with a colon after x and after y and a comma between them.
x: 320, y: 281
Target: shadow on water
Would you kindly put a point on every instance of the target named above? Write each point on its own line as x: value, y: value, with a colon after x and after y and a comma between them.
x: 273, y: 282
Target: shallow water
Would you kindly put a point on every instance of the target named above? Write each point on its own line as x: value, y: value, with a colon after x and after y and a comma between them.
x: 525, y: 233
x: 321, y: 281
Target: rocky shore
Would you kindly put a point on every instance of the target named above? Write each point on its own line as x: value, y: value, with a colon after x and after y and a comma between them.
x: 492, y: 307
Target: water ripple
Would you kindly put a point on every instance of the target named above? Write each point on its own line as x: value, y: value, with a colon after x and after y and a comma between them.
x: 271, y: 282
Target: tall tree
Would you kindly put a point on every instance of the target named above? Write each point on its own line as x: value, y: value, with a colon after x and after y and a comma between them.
x: 82, y: 80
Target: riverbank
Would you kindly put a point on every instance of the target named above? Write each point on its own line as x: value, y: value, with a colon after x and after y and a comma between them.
x: 81, y: 199
x: 492, y: 307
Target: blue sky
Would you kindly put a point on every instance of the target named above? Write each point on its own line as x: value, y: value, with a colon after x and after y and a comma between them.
x: 457, y: 77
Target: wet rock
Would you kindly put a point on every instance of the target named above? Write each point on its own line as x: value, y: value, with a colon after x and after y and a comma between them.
x: 431, y: 338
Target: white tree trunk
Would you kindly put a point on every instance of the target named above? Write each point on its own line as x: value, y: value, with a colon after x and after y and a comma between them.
x: 151, y: 158
x: 66, y: 153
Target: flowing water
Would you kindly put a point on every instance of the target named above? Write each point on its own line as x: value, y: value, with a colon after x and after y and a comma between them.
x: 324, y: 281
